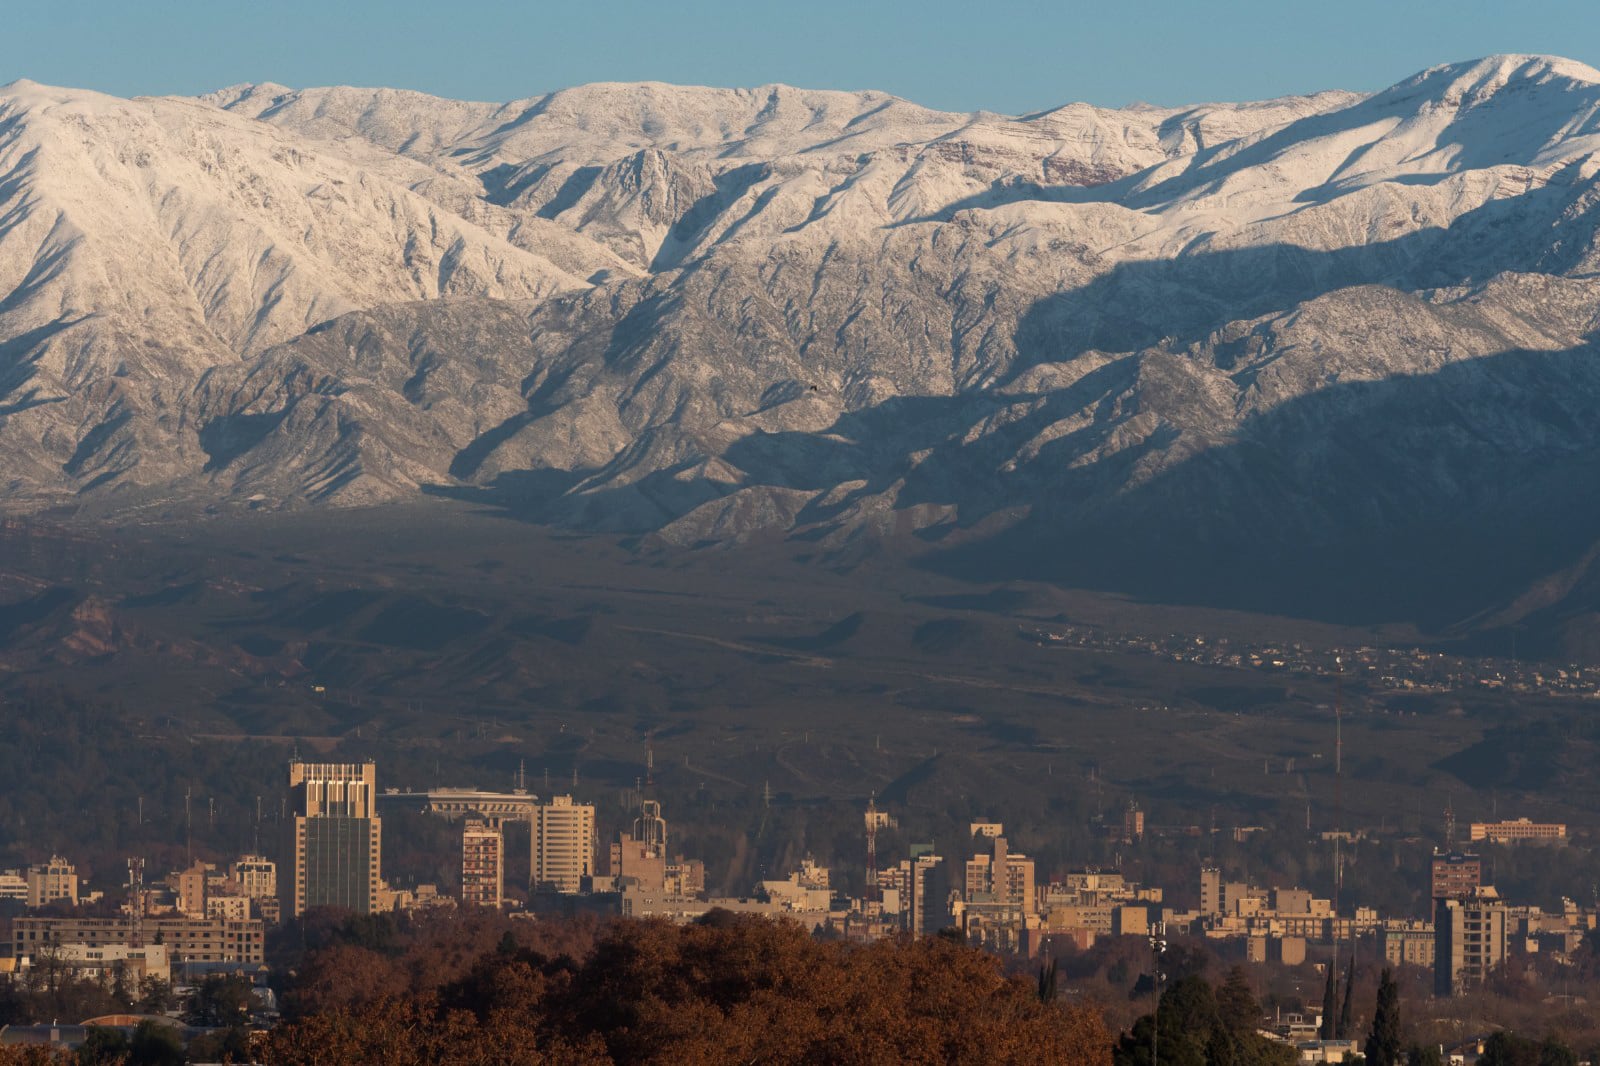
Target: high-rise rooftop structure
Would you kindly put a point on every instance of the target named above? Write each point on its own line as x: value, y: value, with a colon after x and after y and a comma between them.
x: 1003, y: 876
x: 483, y: 849
x: 337, y: 836
x: 1454, y: 875
x: 650, y: 829
x: 257, y: 876
x: 563, y: 844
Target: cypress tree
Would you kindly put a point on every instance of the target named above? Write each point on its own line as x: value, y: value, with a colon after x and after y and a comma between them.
x: 1346, y: 1019
x: 1329, y: 1002
x: 1383, y: 1044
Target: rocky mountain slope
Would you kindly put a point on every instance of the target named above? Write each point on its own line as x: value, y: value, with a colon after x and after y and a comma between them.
x: 1326, y: 354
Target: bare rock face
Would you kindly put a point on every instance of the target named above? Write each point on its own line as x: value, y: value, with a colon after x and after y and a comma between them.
x: 1212, y: 351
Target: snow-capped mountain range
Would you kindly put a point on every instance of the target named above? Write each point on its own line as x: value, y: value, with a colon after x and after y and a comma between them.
x: 1305, y: 336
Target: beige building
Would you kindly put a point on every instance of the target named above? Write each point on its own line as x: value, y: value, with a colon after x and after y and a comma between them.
x: 190, y: 885
x: 105, y: 963
x: 257, y: 876
x: 337, y: 836
x: 563, y: 845
x: 186, y: 939
x: 634, y: 863
x: 483, y: 849
x: 14, y: 885
x: 229, y: 908
x: 1407, y: 943
x: 1519, y: 830
x: 1002, y: 876
x: 52, y: 881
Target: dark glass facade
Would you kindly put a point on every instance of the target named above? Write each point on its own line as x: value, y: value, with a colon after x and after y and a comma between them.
x: 337, y: 861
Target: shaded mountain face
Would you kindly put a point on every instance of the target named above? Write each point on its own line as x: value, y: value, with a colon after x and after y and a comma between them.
x: 1328, y: 355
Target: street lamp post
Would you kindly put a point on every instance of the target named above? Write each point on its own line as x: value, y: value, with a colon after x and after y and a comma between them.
x: 1158, y: 947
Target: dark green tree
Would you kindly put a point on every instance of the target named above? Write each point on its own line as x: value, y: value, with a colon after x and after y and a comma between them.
x: 1424, y: 1055
x: 1330, y: 1005
x: 1383, y: 1043
x: 1237, y: 1009
x: 1554, y: 1053
x: 1346, y: 1014
x: 220, y: 1001
x: 1047, y: 982
x: 155, y: 1044
x: 1508, y: 1049
x: 102, y: 1047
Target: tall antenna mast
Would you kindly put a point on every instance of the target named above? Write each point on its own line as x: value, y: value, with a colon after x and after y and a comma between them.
x: 650, y: 761
x: 872, y: 896
x: 1338, y: 805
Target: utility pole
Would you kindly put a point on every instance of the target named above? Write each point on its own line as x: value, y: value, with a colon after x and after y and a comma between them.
x: 1158, y: 947
x: 872, y: 855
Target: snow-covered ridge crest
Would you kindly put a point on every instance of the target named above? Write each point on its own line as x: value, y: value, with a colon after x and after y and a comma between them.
x: 707, y: 313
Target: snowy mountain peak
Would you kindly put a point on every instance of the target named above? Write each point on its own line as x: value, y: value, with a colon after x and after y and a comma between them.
x: 1495, y: 72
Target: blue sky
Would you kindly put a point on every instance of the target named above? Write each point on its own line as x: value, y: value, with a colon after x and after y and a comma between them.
x: 1004, y: 56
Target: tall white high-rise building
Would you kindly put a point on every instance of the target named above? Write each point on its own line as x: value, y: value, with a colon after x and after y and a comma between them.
x: 563, y: 845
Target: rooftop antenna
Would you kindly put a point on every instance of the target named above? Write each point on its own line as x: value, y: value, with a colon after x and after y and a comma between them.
x: 522, y: 775
x: 188, y: 828
x: 650, y: 762
x: 1449, y: 822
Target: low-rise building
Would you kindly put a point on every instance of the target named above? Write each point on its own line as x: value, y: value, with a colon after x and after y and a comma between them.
x: 186, y: 939
x: 1408, y: 943
x: 1519, y: 830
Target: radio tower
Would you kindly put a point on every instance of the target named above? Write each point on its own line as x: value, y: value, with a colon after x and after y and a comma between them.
x: 1338, y: 807
x: 872, y: 856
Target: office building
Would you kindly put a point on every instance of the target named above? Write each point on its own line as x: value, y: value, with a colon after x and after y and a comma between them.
x: 1519, y: 830
x: 563, y: 845
x: 483, y: 848
x: 1132, y: 824
x: 1469, y: 941
x: 1407, y: 944
x: 917, y: 892
x: 1455, y: 875
x: 186, y: 939
x: 257, y: 877
x: 1002, y: 877
x: 337, y: 836
x: 52, y: 881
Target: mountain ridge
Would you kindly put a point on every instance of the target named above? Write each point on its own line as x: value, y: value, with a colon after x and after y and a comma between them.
x: 709, y: 315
